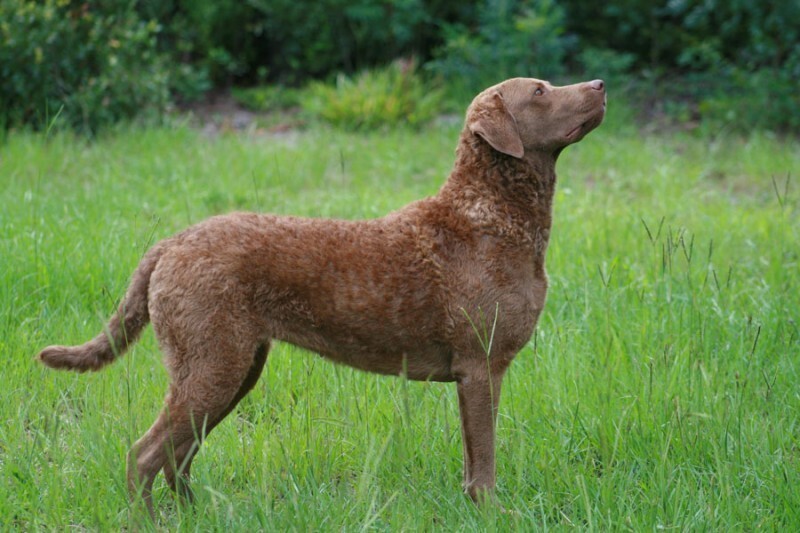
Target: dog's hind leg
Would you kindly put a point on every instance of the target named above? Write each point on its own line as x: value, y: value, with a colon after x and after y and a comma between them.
x: 204, y: 390
x: 177, y: 469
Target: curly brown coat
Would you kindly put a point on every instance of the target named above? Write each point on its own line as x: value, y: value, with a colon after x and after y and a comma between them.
x: 418, y: 293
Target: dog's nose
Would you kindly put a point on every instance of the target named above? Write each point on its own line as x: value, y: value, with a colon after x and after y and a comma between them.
x: 597, y: 85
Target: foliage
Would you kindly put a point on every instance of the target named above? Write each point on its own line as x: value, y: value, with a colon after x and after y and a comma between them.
x: 288, y: 41
x: 733, y: 63
x: 98, y: 62
x: 612, y: 66
x: 765, y: 99
x: 299, y: 40
x: 214, y: 41
x: 690, y: 35
x: 512, y: 38
x: 266, y: 97
x: 375, y: 98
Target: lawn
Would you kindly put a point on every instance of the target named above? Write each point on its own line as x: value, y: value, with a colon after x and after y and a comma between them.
x: 660, y: 390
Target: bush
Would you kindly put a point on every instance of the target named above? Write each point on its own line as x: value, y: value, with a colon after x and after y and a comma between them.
x: 512, y: 38
x: 93, y: 66
x: 95, y: 63
x: 386, y: 97
x: 611, y: 66
x: 213, y: 41
x: 314, y: 39
x: 744, y: 101
x: 690, y: 35
x: 266, y: 98
x: 230, y: 41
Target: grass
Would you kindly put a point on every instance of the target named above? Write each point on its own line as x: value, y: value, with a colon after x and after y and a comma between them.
x: 660, y: 391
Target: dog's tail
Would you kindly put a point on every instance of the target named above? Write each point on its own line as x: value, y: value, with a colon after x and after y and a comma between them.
x: 121, y: 331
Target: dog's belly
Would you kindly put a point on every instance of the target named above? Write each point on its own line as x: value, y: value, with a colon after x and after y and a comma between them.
x: 378, y: 331
x: 423, y: 363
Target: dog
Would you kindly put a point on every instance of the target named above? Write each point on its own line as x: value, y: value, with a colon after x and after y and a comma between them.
x: 413, y: 294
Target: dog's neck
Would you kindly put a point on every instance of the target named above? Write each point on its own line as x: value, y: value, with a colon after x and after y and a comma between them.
x: 494, y: 188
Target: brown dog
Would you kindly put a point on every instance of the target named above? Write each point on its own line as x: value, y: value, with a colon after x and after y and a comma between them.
x: 419, y: 293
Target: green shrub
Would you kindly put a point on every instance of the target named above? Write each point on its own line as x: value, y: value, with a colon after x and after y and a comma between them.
x: 315, y: 39
x: 286, y: 41
x: 385, y: 97
x: 266, y: 98
x: 213, y: 41
x: 690, y: 35
x: 94, y: 63
x: 746, y: 101
x: 610, y: 65
x: 512, y: 38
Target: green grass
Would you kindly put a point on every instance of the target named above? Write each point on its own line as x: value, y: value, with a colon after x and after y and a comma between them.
x: 661, y: 390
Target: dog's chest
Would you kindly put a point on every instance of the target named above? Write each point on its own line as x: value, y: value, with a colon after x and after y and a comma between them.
x: 499, y: 291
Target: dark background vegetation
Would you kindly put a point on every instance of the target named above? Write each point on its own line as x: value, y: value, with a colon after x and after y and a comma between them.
x: 734, y: 62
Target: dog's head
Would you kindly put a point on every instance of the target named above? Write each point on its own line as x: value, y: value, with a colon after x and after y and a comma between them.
x: 524, y: 115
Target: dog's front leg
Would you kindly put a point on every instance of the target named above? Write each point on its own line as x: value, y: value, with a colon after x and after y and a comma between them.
x: 478, y: 398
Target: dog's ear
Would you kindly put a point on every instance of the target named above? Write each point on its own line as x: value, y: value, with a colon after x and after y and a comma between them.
x: 495, y: 124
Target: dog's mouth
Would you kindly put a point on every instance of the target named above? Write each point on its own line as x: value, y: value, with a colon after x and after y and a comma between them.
x: 575, y: 132
x: 588, y: 125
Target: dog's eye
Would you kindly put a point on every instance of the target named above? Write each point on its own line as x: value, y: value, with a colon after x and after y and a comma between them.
x: 538, y: 91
